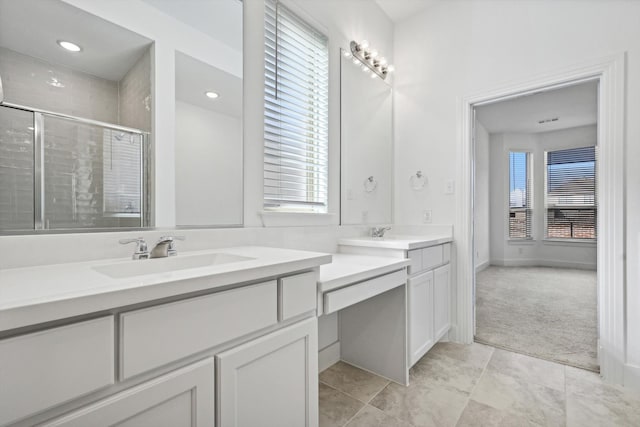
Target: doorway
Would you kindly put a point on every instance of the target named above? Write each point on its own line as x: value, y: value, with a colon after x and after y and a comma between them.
x: 535, y: 224
x: 610, y: 73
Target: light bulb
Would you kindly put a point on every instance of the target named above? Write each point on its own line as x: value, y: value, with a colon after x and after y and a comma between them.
x: 374, y: 53
x: 364, y: 44
x: 356, y: 61
x: 374, y: 76
x: 391, y: 68
x: 383, y: 61
x: 346, y: 54
x: 366, y: 70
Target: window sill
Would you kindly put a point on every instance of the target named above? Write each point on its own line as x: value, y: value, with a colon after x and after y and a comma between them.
x: 296, y: 219
x: 521, y: 241
x: 570, y: 242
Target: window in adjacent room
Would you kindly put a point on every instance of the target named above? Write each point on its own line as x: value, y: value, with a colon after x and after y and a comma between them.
x: 296, y: 113
x: 570, y: 194
x: 520, y: 195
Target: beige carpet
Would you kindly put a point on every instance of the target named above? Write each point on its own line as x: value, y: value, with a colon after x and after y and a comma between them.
x: 548, y: 313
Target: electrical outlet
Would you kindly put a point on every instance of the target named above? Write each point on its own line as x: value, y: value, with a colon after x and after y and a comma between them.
x: 426, y: 216
x: 450, y: 187
x: 365, y: 217
x: 520, y: 251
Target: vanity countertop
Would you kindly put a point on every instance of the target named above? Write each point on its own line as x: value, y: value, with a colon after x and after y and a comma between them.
x: 398, y: 241
x: 32, y: 295
x: 346, y: 269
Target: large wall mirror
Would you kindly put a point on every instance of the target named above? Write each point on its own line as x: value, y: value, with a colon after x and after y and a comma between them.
x: 366, y: 146
x: 75, y: 120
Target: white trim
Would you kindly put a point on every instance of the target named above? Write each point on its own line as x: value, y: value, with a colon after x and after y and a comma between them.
x: 296, y: 219
x: 632, y: 377
x: 534, y: 262
x: 483, y: 266
x: 328, y: 356
x: 610, y: 71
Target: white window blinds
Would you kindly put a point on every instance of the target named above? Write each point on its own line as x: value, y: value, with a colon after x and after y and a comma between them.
x: 571, y: 193
x: 520, y: 195
x: 296, y: 112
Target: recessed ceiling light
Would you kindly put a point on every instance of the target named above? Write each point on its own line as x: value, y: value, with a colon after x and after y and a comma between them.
x: 212, y: 95
x: 71, y: 47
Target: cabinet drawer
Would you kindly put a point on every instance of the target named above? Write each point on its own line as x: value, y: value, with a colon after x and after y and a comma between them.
x: 44, y: 369
x: 415, y: 256
x: 432, y: 257
x: 155, y: 336
x: 296, y: 295
x: 349, y: 295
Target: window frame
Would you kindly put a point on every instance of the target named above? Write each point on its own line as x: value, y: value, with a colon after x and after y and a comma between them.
x: 531, y: 198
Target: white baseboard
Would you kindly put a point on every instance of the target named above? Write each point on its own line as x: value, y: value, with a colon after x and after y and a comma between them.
x: 632, y: 377
x: 543, y: 263
x: 482, y: 266
x: 328, y: 356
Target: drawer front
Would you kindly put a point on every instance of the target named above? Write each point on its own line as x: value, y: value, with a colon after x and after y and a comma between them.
x: 415, y: 256
x: 349, y: 295
x: 432, y: 257
x: 155, y: 336
x: 297, y: 295
x: 44, y: 369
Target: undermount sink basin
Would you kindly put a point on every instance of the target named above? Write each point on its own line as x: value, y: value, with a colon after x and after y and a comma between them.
x: 164, y: 265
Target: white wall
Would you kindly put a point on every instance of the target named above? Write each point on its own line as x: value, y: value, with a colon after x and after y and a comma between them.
x: 481, y: 201
x: 457, y: 49
x: 208, y: 173
x: 537, y: 251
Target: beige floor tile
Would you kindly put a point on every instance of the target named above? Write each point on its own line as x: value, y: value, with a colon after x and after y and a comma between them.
x: 540, y: 404
x: 479, y: 415
x: 440, y: 369
x: 335, y: 407
x: 354, y: 381
x: 591, y: 402
x: 475, y: 355
x: 528, y: 368
x: 423, y: 405
x: 373, y: 417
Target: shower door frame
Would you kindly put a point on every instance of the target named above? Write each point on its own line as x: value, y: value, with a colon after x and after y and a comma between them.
x: 38, y: 167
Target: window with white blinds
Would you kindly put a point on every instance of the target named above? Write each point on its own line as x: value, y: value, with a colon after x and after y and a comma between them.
x: 296, y: 112
x: 520, y: 195
x: 571, y: 196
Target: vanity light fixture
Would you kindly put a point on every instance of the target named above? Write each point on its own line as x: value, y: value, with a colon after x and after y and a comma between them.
x: 212, y: 95
x: 67, y: 45
x: 370, y: 59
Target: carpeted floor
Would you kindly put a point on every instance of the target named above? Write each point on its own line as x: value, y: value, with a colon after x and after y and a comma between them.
x: 548, y: 313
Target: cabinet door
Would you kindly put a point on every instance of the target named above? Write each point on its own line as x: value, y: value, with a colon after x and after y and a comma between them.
x: 182, y: 398
x: 271, y: 381
x: 442, y: 300
x: 421, y: 332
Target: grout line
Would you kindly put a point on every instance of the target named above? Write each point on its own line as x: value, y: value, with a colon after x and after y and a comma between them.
x: 354, y: 415
x: 484, y: 369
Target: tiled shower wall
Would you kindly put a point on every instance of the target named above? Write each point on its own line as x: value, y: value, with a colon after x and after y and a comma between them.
x: 36, y: 83
x: 135, y: 95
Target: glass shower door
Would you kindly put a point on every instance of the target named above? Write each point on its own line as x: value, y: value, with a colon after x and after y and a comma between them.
x: 16, y: 169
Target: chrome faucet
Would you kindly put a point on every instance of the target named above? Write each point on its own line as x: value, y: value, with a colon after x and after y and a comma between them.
x: 165, y: 247
x: 379, y: 231
x: 141, y: 252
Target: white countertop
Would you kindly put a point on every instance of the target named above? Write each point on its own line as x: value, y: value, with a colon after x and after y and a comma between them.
x: 34, y: 295
x: 398, y: 241
x: 346, y: 269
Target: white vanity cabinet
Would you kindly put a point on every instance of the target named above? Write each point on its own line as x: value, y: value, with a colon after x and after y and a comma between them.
x: 251, y: 347
x: 271, y: 381
x: 182, y: 398
x: 428, y: 285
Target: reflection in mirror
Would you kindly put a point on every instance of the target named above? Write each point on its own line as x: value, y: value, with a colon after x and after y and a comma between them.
x: 366, y: 146
x: 74, y: 121
x: 208, y: 145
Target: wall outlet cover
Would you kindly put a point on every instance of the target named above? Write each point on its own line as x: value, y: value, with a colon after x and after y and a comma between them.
x: 426, y: 216
x: 450, y: 187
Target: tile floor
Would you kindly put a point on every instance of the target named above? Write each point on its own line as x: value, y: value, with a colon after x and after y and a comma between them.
x: 475, y: 385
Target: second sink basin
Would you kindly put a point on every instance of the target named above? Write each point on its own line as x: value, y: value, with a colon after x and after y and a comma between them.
x: 164, y: 265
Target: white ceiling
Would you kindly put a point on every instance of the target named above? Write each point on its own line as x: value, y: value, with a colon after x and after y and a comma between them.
x: 399, y: 10
x: 32, y: 27
x: 194, y: 78
x: 219, y: 19
x: 573, y: 106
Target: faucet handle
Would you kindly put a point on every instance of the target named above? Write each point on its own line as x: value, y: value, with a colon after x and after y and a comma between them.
x: 141, y: 252
x: 171, y: 238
